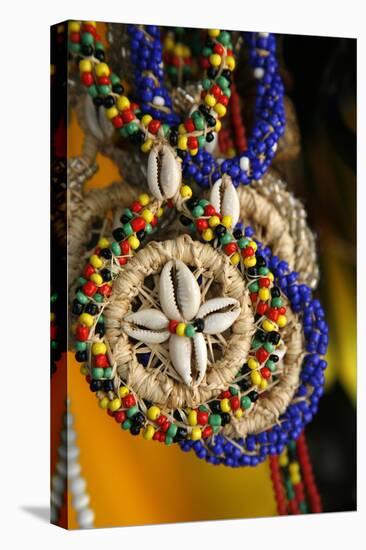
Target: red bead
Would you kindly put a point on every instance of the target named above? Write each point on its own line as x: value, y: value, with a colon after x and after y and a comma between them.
x: 192, y: 142
x: 88, y: 28
x: 272, y: 314
x: 120, y: 416
x: 136, y: 207
x: 225, y: 394
x: 89, y: 270
x: 101, y: 360
x: 88, y: 378
x: 218, y: 49
x: 162, y: 437
x: 224, y: 100
x: 90, y: 288
x: 248, y: 251
x: 261, y: 354
x: 253, y: 296
x: 202, y: 417
x: 105, y: 290
x: 154, y: 126
x: 172, y: 326
x: 127, y: 116
x: 75, y: 37
x: 265, y: 372
x: 282, y: 310
x: 230, y: 248
x: 165, y: 426
x: 97, y: 250
x: 117, y: 121
x: 103, y: 80
x: 207, y: 432
x: 161, y: 420
x: 129, y: 400
x: 169, y: 203
x: 209, y: 210
x: 122, y: 261
x: 235, y: 402
x: 205, y: 63
x: 262, y: 308
x: 133, y: 106
x: 189, y: 125
x: 138, y: 224
x: 201, y: 224
x: 215, y: 91
x: 82, y: 333
x: 125, y: 247
x: 87, y: 79
x: 53, y: 332
x: 154, y: 221
x: 110, y: 413
x: 229, y: 52
x: 264, y: 282
x: 156, y: 436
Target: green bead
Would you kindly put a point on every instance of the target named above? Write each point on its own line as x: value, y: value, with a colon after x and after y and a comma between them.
x: 168, y: 440
x: 203, y: 203
x: 276, y: 302
x: 227, y: 92
x: 216, y: 429
x: 268, y: 347
x: 80, y: 346
x: 172, y: 70
x: 197, y: 211
x: 254, y: 287
x: 263, y: 271
x: 192, y: 227
x: 214, y: 420
x: 245, y: 402
x: 92, y: 90
x: 224, y: 38
x: 127, y: 228
x: 225, y: 239
x: 87, y: 38
x: 148, y: 228
x: 203, y: 408
x: 199, y: 123
x: 172, y: 430
x: 108, y: 372
x: 223, y: 82
x: 233, y: 390
x: 206, y: 84
x: 201, y: 141
x: 54, y: 344
x: 271, y: 365
x: 206, y: 52
x: 303, y: 507
x: 80, y: 296
x: 243, y: 242
x: 132, y: 128
x: 190, y: 331
x: 127, y: 212
x: 256, y: 344
x: 132, y: 411
x: 81, y: 281
x: 97, y: 373
x: 123, y: 131
x: 126, y: 424
x: 115, y: 79
x: 98, y: 297
x: 74, y: 48
x: 99, y: 46
x: 54, y: 297
x: 104, y: 89
x: 166, y: 129
x: 116, y: 249
x: 101, y: 318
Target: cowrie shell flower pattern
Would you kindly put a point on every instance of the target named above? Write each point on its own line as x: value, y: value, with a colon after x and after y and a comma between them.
x: 183, y: 321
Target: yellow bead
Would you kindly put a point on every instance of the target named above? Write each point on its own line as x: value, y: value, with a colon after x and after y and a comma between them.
x: 133, y: 242
x: 231, y: 152
x: 181, y: 327
x: 192, y: 418
x: 103, y: 243
x: 220, y: 109
x: 144, y: 199
x: 185, y: 191
x: 96, y: 261
x: 103, y: 403
x: 239, y: 413
x: 196, y: 434
x: 186, y: 51
x: 160, y: 212
x: 74, y: 26
x: 230, y: 62
x: 225, y: 405
x: 111, y: 112
x: 295, y: 478
x: 227, y: 221
x: 208, y: 235
x: 182, y: 129
x: 264, y: 294
x: 149, y: 432
x: 86, y: 319
x: 264, y: 384
x: 270, y: 276
x: 115, y: 404
x: 283, y: 460
x: 145, y: 147
x: 193, y: 152
x: 102, y: 69
x: 250, y: 261
x: 169, y: 43
x: 84, y: 370
x: 146, y: 119
x: 153, y: 413
x: 253, y: 363
x: 215, y: 60
x: 268, y: 326
x: 123, y: 102
x: 97, y: 279
x: 235, y: 258
x: 214, y: 221
x: 85, y: 66
x: 123, y: 391
x: 99, y: 348
x: 213, y: 32
x: 52, y: 316
x: 147, y: 215
x: 256, y: 378
x: 282, y: 321
x: 92, y: 23
x: 210, y: 100
x: 217, y: 128
x: 178, y: 50
x: 294, y: 468
x: 182, y: 142
x: 253, y: 244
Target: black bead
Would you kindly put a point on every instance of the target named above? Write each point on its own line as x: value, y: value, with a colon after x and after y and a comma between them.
x: 180, y: 435
x: 118, y: 89
x: 173, y: 138
x: 55, y: 354
x: 53, y: 368
x: 184, y: 220
x: 99, y: 329
x: 252, y: 272
x: 109, y: 101
x: 135, y: 429
x: 211, y: 72
x: 204, y: 109
x: 77, y: 308
x: 118, y: 234
x: 177, y: 416
x: 100, y: 55
x: 209, y: 43
x: 124, y: 219
x: 106, y: 274
x: 108, y: 385
x: 199, y: 325
x: 261, y: 262
x: 273, y: 358
x: 257, y: 316
x: 192, y: 202
x: 215, y: 406
x: 220, y: 230
x: 225, y: 418
x: 106, y: 253
x: 237, y: 234
x: 245, y: 369
x: 227, y: 74
x: 253, y: 396
x: 275, y: 292
x: 210, y: 137
x: 87, y: 50
x: 91, y: 308
x: 244, y: 384
x: 138, y: 137
x: 181, y: 154
x: 138, y: 419
x: 98, y: 101
x: 211, y: 121
x: 147, y: 403
x: 273, y: 337
x: 260, y: 335
x: 96, y: 385
x: 140, y: 235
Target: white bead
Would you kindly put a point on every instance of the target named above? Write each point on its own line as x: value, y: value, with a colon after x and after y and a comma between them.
x: 158, y: 100
x: 258, y: 73
x: 56, y: 500
x: 58, y: 483
x: 78, y: 486
x: 71, y: 452
x: 69, y: 436
x: 61, y: 468
x: 263, y: 34
x: 244, y: 164
x: 53, y: 514
x: 211, y: 146
x: 274, y: 147
x: 80, y: 501
x: 85, y: 518
x: 73, y: 470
